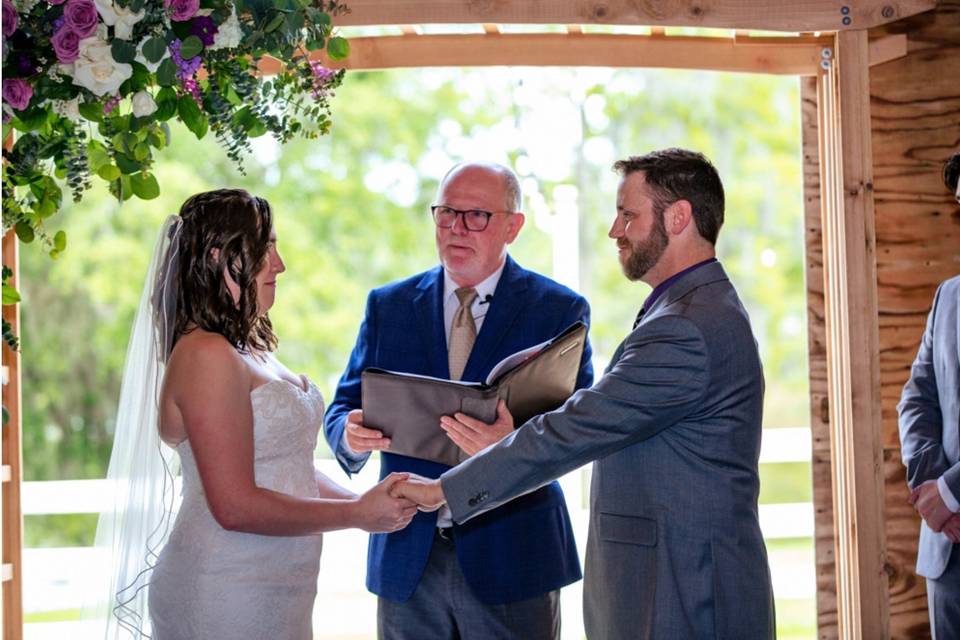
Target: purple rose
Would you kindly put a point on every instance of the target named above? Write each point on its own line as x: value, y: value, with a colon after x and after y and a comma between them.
x: 204, y: 28
x: 66, y: 44
x: 181, y: 10
x: 81, y: 16
x: 9, y: 18
x: 17, y: 93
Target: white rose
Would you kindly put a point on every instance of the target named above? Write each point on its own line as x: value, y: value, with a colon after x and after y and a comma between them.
x: 96, y: 69
x: 228, y: 34
x: 143, y: 104
x: 120, y: 18
x: 67, y: 108
x: 151, y: 66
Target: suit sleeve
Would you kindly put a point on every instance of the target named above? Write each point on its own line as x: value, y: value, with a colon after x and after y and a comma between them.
x: 921, y: 422
x: 347, y: 397
x: 580, y: 310
x: 660, y: 378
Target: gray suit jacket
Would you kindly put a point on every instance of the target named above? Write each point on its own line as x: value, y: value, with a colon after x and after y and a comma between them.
x: 930, y: 417
x: 674, y: 547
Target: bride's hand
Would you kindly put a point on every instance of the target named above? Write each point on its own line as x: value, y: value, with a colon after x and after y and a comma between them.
x: 379, y: 511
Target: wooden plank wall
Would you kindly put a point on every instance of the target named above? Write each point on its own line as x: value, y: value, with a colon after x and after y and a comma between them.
x: 915, y: 119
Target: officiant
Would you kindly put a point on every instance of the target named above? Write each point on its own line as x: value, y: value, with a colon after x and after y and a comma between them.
x: 499, y: 576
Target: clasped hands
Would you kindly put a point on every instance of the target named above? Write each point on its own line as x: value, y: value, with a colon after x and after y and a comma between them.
x: 929, y: 504
x: 468, y: 433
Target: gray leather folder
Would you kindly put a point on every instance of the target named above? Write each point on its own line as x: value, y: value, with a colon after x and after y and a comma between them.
x: 408, y: 407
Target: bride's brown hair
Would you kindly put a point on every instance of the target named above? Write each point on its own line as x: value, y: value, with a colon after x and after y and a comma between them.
x: 237, y: 225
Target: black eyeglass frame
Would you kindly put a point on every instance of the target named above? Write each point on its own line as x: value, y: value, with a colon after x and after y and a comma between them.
x: 465, y: 216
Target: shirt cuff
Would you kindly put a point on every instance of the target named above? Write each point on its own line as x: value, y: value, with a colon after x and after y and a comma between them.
x: 947, y: 496
x: 350, y: 454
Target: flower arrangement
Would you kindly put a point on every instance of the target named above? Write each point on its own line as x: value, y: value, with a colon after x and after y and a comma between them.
x: 92, y: 83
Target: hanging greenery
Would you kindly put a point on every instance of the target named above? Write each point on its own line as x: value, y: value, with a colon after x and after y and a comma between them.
x: 90, y: 85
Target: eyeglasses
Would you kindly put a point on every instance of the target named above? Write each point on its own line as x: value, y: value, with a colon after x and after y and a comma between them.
x: 473, y: 219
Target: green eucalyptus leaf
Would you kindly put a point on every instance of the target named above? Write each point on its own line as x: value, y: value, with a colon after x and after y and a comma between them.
x: 166, y: 104
x: 45, y: 208
x: 295, y: 21
x: 92, y: 110
x: 275, y: 23
x: 97, y: 155
x: 157, y: 139
x: 153, y: 49
x: 338, y: 48
x: 32, y: 118
x: 10, y: 295
x: 123, y: 51
x: 60, y: 240
x: 141, y: 152
x: 167, y: 73
x: 24, y: 232
x: 109, y: 172
x: 145, y: 185
x: 191, y: 115
x: 126, y: 164
x: 191, y: 47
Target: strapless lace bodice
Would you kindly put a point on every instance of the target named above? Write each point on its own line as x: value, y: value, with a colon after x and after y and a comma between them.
x: 213, y: 583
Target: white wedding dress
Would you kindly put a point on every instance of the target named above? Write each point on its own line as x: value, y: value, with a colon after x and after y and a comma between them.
x: 210, y: 583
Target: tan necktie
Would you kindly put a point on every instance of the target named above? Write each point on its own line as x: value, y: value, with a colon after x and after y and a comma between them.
x: 463, y: 332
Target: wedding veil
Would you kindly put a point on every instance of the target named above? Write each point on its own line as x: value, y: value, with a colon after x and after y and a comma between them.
x: 131, y: 531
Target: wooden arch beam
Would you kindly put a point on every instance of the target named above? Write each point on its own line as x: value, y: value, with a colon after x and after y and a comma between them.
x: 795, y: 55
x: 770, y: 15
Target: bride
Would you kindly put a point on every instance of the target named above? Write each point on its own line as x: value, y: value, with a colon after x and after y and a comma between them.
x: 242, y: 557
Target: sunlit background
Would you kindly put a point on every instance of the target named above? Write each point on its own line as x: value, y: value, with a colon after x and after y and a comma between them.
x: 352, y: 213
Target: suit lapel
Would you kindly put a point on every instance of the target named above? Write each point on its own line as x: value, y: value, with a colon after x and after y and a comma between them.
x: 507, y: 303
x: 428, y: 306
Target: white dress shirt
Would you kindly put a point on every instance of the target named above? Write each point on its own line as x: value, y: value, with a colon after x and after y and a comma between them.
x: 479, y: 308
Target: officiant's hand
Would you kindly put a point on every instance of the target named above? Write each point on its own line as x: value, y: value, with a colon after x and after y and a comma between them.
x: 427, y: 493
x: 382, y: 509
x: 360, y: 439
x: 472, y: 435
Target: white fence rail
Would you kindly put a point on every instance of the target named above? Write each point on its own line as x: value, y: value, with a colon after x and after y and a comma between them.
x: 57, y: 578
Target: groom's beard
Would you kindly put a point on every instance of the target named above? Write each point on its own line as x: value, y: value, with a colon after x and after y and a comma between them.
x: 644, y: 254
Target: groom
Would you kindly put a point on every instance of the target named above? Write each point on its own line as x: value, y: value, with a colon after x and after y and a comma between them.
x: 674, y: 547
x: 498, y: 576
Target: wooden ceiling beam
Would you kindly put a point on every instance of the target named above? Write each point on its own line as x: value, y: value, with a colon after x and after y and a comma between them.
x: 769, y: 15
x: 779, y: 56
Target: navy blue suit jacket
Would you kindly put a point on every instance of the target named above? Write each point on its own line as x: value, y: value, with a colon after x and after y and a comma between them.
x: 526, y: 547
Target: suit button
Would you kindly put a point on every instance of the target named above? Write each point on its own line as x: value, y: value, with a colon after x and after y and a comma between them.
x: 472, y: 502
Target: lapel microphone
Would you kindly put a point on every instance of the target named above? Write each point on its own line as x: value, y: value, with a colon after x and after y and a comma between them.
x: 486, y: 299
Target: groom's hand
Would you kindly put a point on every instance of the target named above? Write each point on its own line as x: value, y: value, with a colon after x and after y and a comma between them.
x: 360, y: 439
x: 427, y: 493
x: 472, y: 435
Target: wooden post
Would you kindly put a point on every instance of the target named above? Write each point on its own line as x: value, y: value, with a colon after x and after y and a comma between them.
x: 850, y: 293
x: 11, y: 519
